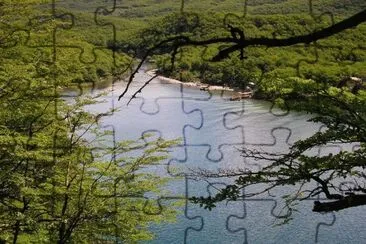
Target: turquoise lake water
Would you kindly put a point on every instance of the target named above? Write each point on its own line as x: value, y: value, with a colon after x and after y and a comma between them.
x: 212, y: 130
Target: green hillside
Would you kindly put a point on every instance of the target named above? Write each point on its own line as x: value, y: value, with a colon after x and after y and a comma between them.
x: 142, y: 24
x: 155, y: 8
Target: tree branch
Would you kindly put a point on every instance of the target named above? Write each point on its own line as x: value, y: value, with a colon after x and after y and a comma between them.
x: 351, y: 22
x: 346, y: 202
x: 238, y: 44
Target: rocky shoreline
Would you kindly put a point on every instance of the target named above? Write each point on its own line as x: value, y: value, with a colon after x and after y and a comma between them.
x: 237, y: 94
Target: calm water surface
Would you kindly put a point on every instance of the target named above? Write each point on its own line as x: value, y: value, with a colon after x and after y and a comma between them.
x: 211, y: 129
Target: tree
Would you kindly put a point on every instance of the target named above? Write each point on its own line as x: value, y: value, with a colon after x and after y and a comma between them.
x: 339, y: 177
x: 340, y: 109
x: 63, y: 178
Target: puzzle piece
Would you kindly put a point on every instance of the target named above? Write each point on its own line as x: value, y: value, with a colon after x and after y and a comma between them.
x: 205, y: 135
x: 263, y: 217
x: 64, y: 36
x: 260, y: 223
x: 215, y: 222
x: 190, y: 222
x: 256, y: 115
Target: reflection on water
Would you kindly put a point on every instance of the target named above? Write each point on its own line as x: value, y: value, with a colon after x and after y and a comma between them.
x: 211, y: 129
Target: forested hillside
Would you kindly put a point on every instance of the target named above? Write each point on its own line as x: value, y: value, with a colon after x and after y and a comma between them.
x: 142, y: 24
x: 148, y: 8
x: 328, y: 60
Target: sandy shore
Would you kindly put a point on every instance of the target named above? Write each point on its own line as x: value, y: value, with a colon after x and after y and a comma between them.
x: 199, y: 85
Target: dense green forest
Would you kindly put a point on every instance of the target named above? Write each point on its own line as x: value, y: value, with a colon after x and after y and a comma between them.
x: 58, y: 187
x: 331, y: 60
x: 62, y: 176
x: 141, y: 25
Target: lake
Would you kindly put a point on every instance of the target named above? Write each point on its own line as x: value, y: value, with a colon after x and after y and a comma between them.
x: 212, y: 129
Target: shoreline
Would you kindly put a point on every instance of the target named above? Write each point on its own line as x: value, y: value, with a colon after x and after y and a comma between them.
x: 237, y: 94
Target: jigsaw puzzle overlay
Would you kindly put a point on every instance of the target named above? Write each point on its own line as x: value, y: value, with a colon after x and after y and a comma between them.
x: 211, y: 127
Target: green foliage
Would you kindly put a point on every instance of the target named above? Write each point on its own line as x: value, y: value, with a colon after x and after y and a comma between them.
x: 141, y: 25
x: 62, y: 180
x: 342, y: 112
x: 330, y: 59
